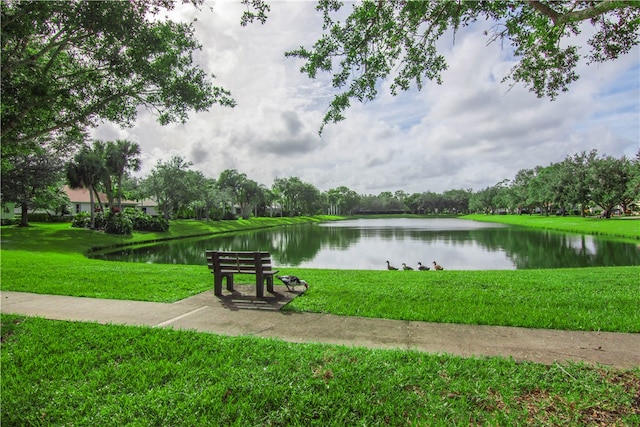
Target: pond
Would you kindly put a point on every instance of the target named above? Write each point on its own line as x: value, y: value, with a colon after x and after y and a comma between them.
x: 366, y: 244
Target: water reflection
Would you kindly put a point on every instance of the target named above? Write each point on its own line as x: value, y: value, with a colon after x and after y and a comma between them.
x: 368, y: 243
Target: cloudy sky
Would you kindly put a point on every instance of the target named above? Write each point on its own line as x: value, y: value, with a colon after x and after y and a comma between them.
x: 470, y: 132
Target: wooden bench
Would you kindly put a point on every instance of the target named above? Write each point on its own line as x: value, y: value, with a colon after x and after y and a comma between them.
x: 226, y: 264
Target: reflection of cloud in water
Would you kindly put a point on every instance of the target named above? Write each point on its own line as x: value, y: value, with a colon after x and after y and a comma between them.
x: 454, y: 243
x: 371, y: 254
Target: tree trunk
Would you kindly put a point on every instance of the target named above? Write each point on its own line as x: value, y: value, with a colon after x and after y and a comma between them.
x: 24, y: 220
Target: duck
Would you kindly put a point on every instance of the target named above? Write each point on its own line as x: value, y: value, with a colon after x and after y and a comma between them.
x: 406, y: 267
x: 292, y: 281
x: 390, y: 267
x: 422, y: 267
x: 437, y: 266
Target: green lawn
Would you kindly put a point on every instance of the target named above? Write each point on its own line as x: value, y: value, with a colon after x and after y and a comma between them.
x: 85, y: 374
x: 625, y: 227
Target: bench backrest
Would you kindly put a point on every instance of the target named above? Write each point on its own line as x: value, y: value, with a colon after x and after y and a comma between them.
x: 239, y: 262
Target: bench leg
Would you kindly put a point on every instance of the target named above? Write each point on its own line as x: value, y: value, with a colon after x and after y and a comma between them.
x: 259, y: 286
x: 217, y: 283
x: 269, y: 280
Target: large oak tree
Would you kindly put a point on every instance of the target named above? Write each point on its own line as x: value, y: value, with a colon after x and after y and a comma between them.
x: 69, y: 65
x: 398, y: 39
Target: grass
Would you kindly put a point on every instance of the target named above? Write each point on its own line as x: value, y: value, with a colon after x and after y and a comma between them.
x: 83, y: 374
x: 571, y: 299
x: 574, y: 299
x: 624, y: 227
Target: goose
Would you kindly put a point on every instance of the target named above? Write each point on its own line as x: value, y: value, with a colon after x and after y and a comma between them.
x: 406, y: 267
x: 437, y: 266
x: 292, y: 281
x: 422, y: 267
x: 390, y: 267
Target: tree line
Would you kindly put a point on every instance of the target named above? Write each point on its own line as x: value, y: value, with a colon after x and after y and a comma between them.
x: 579, y: 183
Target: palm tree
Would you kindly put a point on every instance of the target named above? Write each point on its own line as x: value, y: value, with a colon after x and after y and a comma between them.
x: 122, y: 156
x: 84, y: 172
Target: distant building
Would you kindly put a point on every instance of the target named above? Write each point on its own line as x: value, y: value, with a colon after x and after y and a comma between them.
x: 7, y: 210
x: 80, y: 201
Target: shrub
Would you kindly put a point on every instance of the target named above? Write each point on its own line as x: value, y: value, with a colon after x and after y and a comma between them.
x: 10, y: 221
x: 122, y: 222
x: 143, y: 222
x: 229, y: 216
x: 118, y: 223
x: 81, y: 220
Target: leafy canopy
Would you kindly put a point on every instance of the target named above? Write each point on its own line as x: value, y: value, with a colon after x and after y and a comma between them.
x: 69, y: 65
x: 398, y: 39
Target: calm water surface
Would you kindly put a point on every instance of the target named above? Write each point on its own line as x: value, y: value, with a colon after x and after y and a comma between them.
x: 365, y: 244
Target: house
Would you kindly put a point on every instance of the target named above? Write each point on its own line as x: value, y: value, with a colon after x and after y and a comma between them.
x: 80, y: 201
x: 7, y: 210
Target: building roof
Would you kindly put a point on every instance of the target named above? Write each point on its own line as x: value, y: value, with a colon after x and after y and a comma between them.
x: 81, y: 195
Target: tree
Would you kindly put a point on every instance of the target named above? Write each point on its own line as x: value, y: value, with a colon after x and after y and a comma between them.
x: 297, y: 197
x: 342, y: 200
x: 167, y: 184
x: 399, y: 39
x: 581, y: 183
x: 85, y: 171
x: 251, y: 194
x: 29, y: 178
x: 70, y: 65
x: 521, y: 189
x: 457, y: 200
x: 632, y: 195
x: 121, y: 156
x: 231, y: 181
x: 611, y: 179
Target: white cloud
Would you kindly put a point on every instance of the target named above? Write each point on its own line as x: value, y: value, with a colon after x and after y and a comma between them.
x: 470, y: 132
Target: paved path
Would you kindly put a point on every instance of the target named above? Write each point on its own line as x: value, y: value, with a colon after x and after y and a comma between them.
x: 242, y: 314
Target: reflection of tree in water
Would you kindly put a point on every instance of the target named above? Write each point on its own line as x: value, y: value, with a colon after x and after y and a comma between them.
x: 293, y: 245
x: 547, y: 249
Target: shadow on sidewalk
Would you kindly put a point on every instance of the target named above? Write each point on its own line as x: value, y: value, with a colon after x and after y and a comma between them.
x: 244, y: 298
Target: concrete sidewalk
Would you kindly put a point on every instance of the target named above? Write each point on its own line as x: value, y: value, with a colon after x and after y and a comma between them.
x: 242, y: 314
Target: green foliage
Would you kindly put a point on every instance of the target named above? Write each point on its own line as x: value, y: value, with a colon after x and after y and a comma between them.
x: 69, y: 65
x: 580, y: 182
x: 168, y: 184
x: 400, y: 40
x: 27, y: 177
x: 124, y: 222
x: 81, y: 220
x: 118, y: 223
x: 297, y: 197
x: 84, y: 374
x: 143, y: 222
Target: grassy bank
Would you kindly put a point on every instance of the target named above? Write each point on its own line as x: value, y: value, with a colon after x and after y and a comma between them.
x: 624, y: 227
x: 62, y: 373
x: 47, y: 258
